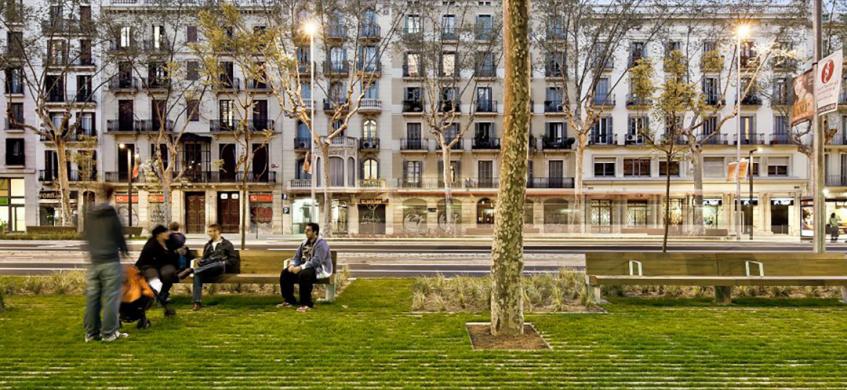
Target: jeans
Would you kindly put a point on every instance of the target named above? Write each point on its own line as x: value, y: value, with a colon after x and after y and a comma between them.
x: 103, y: 292
x: 305, y: 278
x: 208, y: 273
x: 168, y: 275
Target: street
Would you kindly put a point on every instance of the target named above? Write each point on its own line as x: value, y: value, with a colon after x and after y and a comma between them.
x: 399, y: 258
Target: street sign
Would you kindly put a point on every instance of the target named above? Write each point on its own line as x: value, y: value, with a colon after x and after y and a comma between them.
x: 828, y: 83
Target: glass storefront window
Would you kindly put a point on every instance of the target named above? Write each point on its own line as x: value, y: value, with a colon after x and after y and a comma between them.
x: 636, y: 213
x: 12, y: 210
x: 301, y: 213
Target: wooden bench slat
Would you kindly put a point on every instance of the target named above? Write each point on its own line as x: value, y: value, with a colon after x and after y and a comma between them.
x: 719, y: 280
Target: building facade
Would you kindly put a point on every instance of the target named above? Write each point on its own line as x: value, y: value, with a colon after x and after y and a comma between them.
x: 386, y: 170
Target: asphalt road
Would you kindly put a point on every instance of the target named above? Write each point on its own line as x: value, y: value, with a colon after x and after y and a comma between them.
x: 401, y: 258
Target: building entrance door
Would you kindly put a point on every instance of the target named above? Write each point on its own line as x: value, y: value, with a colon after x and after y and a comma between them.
x: 228, y: 211
x: 195, y: 212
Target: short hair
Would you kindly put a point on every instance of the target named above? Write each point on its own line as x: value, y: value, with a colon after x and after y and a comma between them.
x: 173, y: 226
x: 159, y: 229
x: 108, y: 190
x: 314, y: 226
x: 214, y: 226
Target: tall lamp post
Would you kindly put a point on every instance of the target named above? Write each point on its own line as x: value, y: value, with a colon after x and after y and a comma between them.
x: 129, y: 167
x: 741, y: 32
x: 311, y: 29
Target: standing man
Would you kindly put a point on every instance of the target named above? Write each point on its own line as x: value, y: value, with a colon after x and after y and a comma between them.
x: 312, y: 261
x: 218, y: 257
x: 106, y: 244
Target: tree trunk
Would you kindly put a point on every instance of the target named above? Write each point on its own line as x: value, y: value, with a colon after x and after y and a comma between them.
x: 448, y: 189
x: 667, y: 218
x: 243, y: 216
x: 326, y: 227
x: 64, y: 185
x: 579, y: 161
x: 697, y: 224
x: 507, y: 249
x: 167, y: 181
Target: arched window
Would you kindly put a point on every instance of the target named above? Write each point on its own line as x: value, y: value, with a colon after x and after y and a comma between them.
x: 336, y: 172
x: 484, y: 212
x: 369, y: 129
x: 370, y: 169
x: 351, y: 172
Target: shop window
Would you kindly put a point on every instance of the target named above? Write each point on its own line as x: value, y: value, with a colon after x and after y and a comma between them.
x: 485, y: 211
x: 556, y: 212
x: 636, y: 213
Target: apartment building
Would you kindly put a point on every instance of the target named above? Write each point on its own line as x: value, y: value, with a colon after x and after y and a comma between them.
x: 386, y: 170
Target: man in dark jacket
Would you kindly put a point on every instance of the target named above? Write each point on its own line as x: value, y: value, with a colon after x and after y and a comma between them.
x: 159, y: 266
x: 106, y: 244
x: 219, y: 256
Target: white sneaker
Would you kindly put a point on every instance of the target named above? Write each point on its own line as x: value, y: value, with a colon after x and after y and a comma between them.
x: 91, y: 338
x: 115, y: 336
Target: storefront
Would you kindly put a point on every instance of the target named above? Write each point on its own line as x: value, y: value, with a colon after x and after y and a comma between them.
x: 601, y: 216
x: 12, y: 205
x: 261, y: 212
x: 414, y: 216
x: 636, y: 213
x: 712, y: 213
x: 122, y: 203
x: 780, y: 215
x: 156, y: 212
x: 747, y: 209
x: 302, y: 213
x: 372, y: 216
x: 833, y: 206
x: 229, y: 211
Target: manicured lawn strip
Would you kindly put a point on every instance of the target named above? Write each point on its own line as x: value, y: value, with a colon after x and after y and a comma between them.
x: 369, y: 338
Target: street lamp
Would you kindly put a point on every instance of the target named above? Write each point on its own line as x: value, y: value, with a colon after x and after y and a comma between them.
x: 123, y: 146
x: 311, y: 28
x: 741, y: 32
x: 750, y: 180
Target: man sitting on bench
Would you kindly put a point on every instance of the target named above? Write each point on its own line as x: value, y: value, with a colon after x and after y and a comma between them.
x: 218, y: 257
x: 311, y: 262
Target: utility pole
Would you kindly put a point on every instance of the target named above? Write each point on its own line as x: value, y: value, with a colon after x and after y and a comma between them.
x: 819, y: 200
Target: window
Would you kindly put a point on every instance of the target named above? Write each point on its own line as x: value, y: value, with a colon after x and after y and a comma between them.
x: 191, y: 34
x: 604, y: 167
x: 484, y: 27
x: 485, y: 173
x: 780, y: 124
x: 663, y: 168
x: 125, y: 37
x: 636, y: 213
x: 448, y: 64
x: 672, y: 46
x: 636, y: 52
x: 412, y: 172
x: 83, y: 88
x: 337, y: 58
x: 454, y: 173
x: 713, y: 167
x: 369, y: 58
x: 225, y: 112
x: 638, y: 125
x: 555, y: 130
x: 161, y: 148
x: 484, y: 130
x: 370, y: 169
x: 192, y: 108
x: 12, y: 209
x: 15, y: 152
x: 413, y: 94
x: 14, y: 80
x: 371, y: 91
x: 192, y: 70
x: 158, y: 37
x: 710, y: 125
x: 16, y: 116
x: 336, y: 172
x: 413, y: 65
x: 448, y: 26
x: 555, y: 64
x: 777, y: 166
x: 709, y: 46
x: 601, y: 92
x: 86, y: 123
x: 633, y: 167
x: 413, y: 131
x: 369, y: 129
x: 412, y: 24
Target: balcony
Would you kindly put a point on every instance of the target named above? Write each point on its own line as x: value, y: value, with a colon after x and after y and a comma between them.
x: 368, y: 144
x: 483, y: 33
x: 485, y: 107
x: 753, y: 139
x: 603, y: 139
x: 751, y: 100
x: 336, y: 68
x: 372, y: 67
x: 123, y: 85
x: 482, y: 182
x: 553, y: 106
x: 414, y: 144
x: 557, y: 143
x: 604, y: 100
x: 412, y: 72
x: 199, y: 176
x: 257, y: 86
x: 56, y: 97
x: 554, y: 69
x: 413, y: 106
x: 449, y: 34
x: 228, y: 84
x: 300, y: 183
x: 714, y: 100
x: 14, y: 88
x: 781, y: 139
x: 370, y: 31
x: 457, y: 146
x: 254, y: 177
x: 336, y: 32
x: 332, y: 105
x: 84, y: 97
x: 303, y: 143
x: 118, y: 126
x: 550, y: 182
x: 122, y: 177
x: 556, y: 33
x: 784, y: 99
x: 633, y: 100
x: 836, y: 180
x: 16, y: 124
x: 81, y: 135
x: 222, y: 126
x: 370, y: 183
x: 485, y: 143
x: 261, y: 125
x: 48, y: 176
x: 713, y: 139
x: 155, y: 46
x: 487, y: 71
x: 342, y: 141
x: 370, y: 105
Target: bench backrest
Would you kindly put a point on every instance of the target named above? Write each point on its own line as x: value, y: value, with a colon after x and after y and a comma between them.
x: 716, y: 264
x: 264, y: 261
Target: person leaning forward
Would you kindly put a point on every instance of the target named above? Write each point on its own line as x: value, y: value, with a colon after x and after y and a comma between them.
x: 219, y: 257
x: 312, y: 261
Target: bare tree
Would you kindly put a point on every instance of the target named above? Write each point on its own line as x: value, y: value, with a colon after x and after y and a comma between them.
x: 227, y: 34
x: 158, y: 67
x: 448, y: 62
x: 39, y: 60
x: 507, y: 249
x: 580, y: 39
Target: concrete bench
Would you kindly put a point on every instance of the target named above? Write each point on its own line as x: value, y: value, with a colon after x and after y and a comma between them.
x: 261, y: 266
x: 721, y: 270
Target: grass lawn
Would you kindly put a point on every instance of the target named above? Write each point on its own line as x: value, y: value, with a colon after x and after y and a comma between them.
x: 369, y: 338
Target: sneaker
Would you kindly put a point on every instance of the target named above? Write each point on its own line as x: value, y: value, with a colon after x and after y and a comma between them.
x: 89, y: 338
x: 284, y: 305
x: 169, y: 311
x: 115, y: 336
x: 303, y: 309
x: 196, y: 306
x: 185, y: 273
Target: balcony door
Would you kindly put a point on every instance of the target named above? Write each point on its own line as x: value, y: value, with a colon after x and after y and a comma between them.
x: 556, y: 173
x: 260, y: 163
x: 125, y: 114
x: 227, y: 155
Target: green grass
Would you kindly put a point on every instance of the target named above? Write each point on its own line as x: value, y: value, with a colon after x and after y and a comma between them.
x: 370, y: 338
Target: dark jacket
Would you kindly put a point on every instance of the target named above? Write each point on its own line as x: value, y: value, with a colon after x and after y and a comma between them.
x: 104, y: 233
x: 155, y: 255
x: 224, y: 252
x: 175, y: 241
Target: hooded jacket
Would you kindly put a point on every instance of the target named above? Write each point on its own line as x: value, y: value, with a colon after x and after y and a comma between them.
x: 104, y: 233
